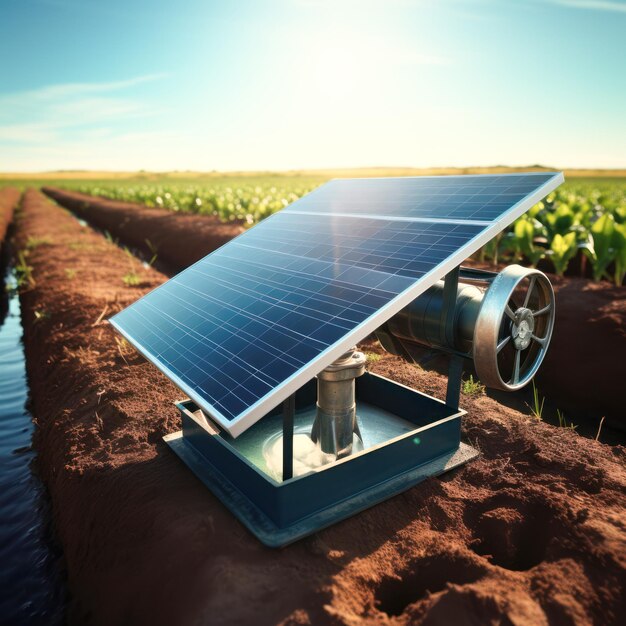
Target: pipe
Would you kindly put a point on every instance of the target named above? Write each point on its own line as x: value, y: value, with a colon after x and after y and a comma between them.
x: 335, y: 421
x: 420, y: 321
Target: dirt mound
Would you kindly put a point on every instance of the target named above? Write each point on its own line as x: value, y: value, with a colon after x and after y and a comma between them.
x: 179, y: 239
x: 533, y: 532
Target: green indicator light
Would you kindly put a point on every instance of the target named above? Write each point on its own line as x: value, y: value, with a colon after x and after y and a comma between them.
x: 417, y: 441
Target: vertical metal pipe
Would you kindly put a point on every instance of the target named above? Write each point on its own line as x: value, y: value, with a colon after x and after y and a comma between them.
x: 455, y: 375
x: 335, y: 420
x: 448, y: 308
x: 289, y: 409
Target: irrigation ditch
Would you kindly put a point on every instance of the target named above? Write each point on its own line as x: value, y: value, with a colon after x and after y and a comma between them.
x: 582, y: 375
x: 531, y: 532
x: 32, y: 585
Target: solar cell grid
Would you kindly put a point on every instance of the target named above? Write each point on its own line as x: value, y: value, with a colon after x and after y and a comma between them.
x: 254, y: 316
x: 441, y: 197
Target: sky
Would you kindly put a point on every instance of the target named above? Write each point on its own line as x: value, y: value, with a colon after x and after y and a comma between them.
x: 298, y: 84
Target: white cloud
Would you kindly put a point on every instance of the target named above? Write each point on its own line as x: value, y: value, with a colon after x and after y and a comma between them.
x: 53, y: 92
x: 50, y: 113
x: 597, y: 5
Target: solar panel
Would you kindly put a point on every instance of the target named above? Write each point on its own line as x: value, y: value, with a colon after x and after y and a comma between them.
x: 482, y: 197
x: 246, y: 326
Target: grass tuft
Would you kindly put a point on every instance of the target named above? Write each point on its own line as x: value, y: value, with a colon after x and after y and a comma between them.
x: 563, y: 423
x: 23, y: 272
x: 35, y: 242
x: 132, y: 279
x: 536, y: 409
x: 473, y: 387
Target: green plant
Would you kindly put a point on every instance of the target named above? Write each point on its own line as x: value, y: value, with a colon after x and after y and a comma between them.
x: 560, y: 220
x: 132, y: 279
x: 35, y: 242
x: 70, y: 273
x: 602, y: 252
x: 109, y: 238
x: 473, y: 387
x: 525, y: 232
x: 619, y: 245
x: 153, y: 250
x: 373, y: 357
x: 563, y: 422
x: 563, y: 249
x: 536, y: 409
x: 581, y: 217
x: 23, y: 272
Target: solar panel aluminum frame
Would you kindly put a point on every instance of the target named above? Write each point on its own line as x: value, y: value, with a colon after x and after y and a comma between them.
x: 290, y: 385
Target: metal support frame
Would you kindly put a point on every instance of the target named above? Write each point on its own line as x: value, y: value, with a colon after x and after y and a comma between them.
x: 455, y: 370
x: 455, y: 376
x: 289, y: 409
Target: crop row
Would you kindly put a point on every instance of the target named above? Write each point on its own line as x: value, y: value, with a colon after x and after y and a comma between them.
x: 584, y: 220
x: 248, y: 202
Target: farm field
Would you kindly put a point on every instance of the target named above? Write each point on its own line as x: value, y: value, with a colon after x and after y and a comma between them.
x: 581, y: 226
x: 157, y: 234
x: 529, y: 531
x: 538, y: 513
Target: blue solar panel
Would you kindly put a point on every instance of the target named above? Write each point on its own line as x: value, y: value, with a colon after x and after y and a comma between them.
x: 253, y: 321
x: 483, y: 197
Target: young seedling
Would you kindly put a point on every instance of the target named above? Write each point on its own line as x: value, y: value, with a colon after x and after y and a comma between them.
x: 563, y: 422
x: 23, y: 272
x: 373, y: 357
x: 70, y: 273
x: 473, y: 387
x: 536, y: 409
x: 131, y: 279
x: 35, y: 242
x: 153, y: 250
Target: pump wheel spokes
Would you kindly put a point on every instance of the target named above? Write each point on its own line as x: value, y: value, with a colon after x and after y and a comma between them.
x: 514, y: 328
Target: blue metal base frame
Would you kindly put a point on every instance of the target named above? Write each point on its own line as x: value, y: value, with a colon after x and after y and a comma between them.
x: 273, y: 535
x: 281, y: 512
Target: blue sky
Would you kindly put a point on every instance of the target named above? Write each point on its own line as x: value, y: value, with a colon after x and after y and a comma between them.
x: 287, y: 84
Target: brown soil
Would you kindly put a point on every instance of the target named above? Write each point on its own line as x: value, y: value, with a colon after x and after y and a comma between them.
x: 179, y: 239
x: 585, y: 367
x: 533, y: 532
x: 9, y: 197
